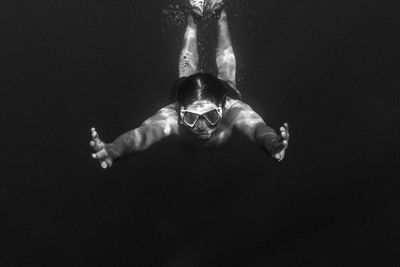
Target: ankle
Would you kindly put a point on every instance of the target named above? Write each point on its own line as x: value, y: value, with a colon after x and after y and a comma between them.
x: 219, y: 12
x: 222, y: 17
x: 191, y: 21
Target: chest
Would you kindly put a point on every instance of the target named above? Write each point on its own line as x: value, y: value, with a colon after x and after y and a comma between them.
x: 219, y: 138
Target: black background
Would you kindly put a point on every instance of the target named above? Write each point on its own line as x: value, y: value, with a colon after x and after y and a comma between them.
x: 328, y: 68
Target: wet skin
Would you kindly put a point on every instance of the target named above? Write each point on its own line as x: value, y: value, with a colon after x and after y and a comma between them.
x: 201, y: 129
x: 166, y: 122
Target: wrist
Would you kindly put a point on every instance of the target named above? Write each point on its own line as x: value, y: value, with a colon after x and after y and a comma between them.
x: 274, y: 146
x: 111, y: 151
x: 267, y: 138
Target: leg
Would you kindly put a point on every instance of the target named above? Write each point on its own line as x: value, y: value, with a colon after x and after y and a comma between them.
x: 189, y: 57
x: 226, y: 61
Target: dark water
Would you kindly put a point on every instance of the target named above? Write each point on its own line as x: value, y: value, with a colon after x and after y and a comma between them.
x: 328, y: 68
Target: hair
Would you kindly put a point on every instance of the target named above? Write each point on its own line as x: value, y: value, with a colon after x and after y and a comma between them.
x: 199, y: 86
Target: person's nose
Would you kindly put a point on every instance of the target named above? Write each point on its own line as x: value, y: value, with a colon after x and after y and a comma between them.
x: 201, y: 124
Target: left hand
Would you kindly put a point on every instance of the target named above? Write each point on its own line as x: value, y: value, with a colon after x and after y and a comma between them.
x: 100, y: 150
x: 285, y: 135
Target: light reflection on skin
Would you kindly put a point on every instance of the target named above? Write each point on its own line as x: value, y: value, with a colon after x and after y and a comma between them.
x: 165, y: 122
x: 201, y: 129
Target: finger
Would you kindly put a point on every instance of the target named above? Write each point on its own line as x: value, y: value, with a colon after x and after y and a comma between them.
x: 99, y: 155
x: 285, y: 135
x: 281, y: 155
x: 286, y: 126
x: 104, y: 165
x: 109, y: 162
x: 95, y: 136
x: 102, y: 154
x: 100, y: 145
x: 277, y: 156
x: 285, y: 142
x: 96, y: 139
x: 279, y: 146
x: 95, y: 146
x: 283, y: 129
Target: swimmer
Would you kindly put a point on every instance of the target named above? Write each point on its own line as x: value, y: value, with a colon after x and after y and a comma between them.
x: 205, y: 109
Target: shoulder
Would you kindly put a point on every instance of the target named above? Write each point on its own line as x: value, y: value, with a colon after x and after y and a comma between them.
x: 240, y: 113
x: 234, y: 104
x: 166, y: 118
x: 169, y: 110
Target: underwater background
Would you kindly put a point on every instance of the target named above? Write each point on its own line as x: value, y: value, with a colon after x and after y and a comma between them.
x: 328, y: 68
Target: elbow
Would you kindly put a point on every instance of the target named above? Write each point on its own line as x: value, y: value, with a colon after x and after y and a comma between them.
x: 145, y: 137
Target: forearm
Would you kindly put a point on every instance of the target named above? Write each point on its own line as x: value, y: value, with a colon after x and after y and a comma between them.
x: 135, y: 140
x: 267, y: 138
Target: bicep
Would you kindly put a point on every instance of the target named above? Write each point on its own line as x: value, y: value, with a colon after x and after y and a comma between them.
x: 163, y: 123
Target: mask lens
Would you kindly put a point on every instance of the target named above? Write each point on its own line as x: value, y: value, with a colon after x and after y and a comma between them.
x: 190, y: 118
x: 212, y: 117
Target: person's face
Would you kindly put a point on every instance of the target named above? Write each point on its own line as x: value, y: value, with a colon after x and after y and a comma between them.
x: 202, y: 129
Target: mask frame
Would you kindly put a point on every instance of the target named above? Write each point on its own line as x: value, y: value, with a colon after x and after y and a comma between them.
x: 201, y: 115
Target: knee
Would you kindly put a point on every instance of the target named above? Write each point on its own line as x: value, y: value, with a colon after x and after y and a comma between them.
x: 188, y: 57
x: 190, y: 34
x: 226, y: 52
x: 225, y: 56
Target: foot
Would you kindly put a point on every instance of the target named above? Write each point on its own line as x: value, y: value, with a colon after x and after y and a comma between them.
x: 197, y: 7
x: 216, y: 7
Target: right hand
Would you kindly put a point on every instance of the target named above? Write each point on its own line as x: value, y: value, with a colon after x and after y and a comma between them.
x: 101, y: 153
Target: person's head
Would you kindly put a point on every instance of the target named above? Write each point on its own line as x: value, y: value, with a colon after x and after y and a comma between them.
x: 201, y: 98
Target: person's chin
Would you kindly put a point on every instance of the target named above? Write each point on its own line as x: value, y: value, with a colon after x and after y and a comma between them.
x: 203, y: 136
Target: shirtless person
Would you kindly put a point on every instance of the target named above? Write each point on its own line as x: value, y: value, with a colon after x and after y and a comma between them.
x: 206, y: 109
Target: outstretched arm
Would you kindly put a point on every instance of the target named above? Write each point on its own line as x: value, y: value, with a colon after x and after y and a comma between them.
x: 252, y: 125
x: 157, y: 127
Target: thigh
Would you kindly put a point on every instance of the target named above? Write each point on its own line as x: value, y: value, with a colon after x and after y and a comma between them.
x: 187, y: 65
x: 231, y: 88
x: 226, y: 64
